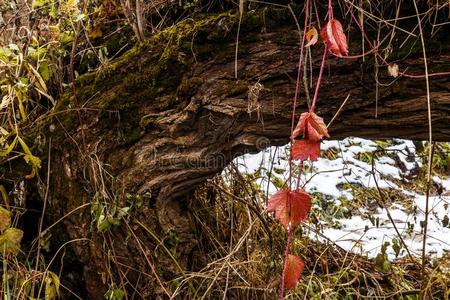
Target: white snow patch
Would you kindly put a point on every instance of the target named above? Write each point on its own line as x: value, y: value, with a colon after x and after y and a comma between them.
x: 351, y: 168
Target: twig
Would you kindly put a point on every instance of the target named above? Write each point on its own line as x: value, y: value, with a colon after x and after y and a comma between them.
x: 41, y: 221
x: 339, y: 110
x: 74, y: 88
x: 430, y: 144
x: 241, y: 12
x: 152, y: 267
x: 269, y: 175
x: 383, y: 204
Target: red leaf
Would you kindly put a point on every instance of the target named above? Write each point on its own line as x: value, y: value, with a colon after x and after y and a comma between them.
x: 301, y: 125
x: 311, y: 36
x: 298, y: 202
x: 293, y: 272
x: 304, y: 149
x: 311, y: 127
x: 334, y: 37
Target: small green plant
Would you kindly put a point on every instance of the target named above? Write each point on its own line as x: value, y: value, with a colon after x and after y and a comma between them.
x: 382, y: 260
x: 115, y: 293
x: 104, y: 215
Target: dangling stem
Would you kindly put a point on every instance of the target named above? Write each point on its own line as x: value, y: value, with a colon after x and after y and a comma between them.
x: 290, y: 235
x: 294, y: 105
x: 297, y: 84
x: 286, y: 254
x: 319, y: 80
x: 330, y: 10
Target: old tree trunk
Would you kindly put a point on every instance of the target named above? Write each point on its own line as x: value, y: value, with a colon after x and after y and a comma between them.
x: 169, y: 114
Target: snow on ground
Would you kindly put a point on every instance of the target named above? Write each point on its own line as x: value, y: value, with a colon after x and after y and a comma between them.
x: 336, y: 177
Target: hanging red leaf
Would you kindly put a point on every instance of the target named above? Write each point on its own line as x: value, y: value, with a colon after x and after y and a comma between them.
x: 334, y: 37
x: 311, y: 127
x: 298, y: 202
x: 293, y: 272
x: 311, y: 36
x: 305, y: 149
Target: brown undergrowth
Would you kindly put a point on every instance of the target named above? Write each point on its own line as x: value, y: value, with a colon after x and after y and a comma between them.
x: 242, y: 245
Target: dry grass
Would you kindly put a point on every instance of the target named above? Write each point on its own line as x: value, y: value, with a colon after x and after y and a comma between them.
x: 243, y: 247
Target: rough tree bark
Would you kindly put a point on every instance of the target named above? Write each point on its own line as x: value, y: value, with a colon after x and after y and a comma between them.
x: 170, y: 114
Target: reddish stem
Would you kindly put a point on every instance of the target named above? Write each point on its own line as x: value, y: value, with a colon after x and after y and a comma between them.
x: 317, y: 15
x: 297, y: 87
x: 299, y: 70
x: 330, y: 10
x: 319, y: 80
x: 294, y: 104
x: 286, y: 253
x: 356, y: 56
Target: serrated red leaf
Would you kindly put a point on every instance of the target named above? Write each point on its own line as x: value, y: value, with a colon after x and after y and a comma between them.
x: 334, y: 37
x: 305, y: 149
x: 293, y: 272
x: 311, y: 127
x: 298, y: 203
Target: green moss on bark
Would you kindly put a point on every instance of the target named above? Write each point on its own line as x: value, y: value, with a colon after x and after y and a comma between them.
x: 152, y: 73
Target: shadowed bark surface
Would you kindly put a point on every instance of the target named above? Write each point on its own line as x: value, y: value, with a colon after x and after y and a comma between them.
x: 170, y: 114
